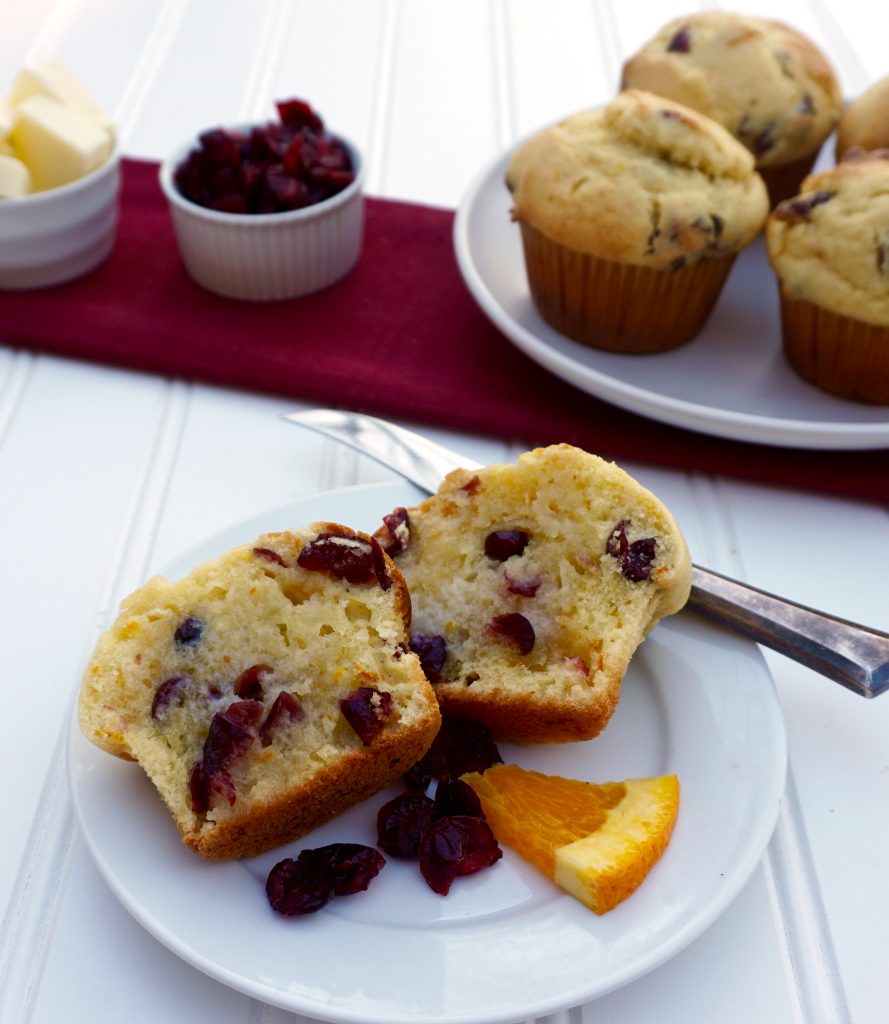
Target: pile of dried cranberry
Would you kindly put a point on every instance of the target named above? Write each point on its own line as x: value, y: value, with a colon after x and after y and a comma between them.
x: 448, y: 834
x: 273, y: 167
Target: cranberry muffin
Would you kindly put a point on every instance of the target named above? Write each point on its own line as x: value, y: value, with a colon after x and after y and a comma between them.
x: 267, y: 691
x: 765, y: 82
x: 829, y: 247
x: 631, y: 216
x: 533, y: 584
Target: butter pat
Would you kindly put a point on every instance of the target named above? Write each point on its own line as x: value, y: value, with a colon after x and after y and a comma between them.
x: 6, y: 119
x: 58, y: 143
x: 57, y: 83
x: 14, y: 178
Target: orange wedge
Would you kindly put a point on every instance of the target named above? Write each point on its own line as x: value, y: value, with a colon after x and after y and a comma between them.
x: 596, y: 841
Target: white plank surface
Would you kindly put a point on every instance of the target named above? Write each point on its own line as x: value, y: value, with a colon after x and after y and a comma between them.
x: 105, y: 474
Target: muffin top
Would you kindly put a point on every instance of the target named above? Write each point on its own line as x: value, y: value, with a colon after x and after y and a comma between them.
x: 830, y: 244
x: 865, y: 122
x: 770, y: 86
x: 642, y: 180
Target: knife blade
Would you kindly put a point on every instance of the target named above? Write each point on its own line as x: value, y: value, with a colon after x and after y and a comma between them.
x: 853, y: 655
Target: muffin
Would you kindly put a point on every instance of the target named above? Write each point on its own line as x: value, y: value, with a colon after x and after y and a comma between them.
x: 267, y: 691
x: 533, y: 584
x: 829, y: 247
x: 769, y: 85
x: 865, y: 122
x: 631, y: 216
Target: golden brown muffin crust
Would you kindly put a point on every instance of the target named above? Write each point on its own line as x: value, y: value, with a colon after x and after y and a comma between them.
x: 765, y: 82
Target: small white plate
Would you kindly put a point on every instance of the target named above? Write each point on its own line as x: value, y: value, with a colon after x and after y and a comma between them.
x: 730, y: 381
x: 506, y: 943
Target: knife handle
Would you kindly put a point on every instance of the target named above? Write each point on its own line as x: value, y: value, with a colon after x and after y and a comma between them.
x: 850, y: 654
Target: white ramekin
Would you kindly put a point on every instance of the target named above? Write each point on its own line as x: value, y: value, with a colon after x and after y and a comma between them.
x: 268, y: 255
x: 54, y: 236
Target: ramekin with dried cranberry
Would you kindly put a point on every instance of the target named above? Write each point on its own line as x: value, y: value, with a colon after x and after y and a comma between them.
x: 267, y: 211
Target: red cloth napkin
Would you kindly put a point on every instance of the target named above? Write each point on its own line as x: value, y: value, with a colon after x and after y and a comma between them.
x: 400, y: 336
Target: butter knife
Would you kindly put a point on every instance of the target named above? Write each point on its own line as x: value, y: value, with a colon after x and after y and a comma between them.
x: 850, y: 654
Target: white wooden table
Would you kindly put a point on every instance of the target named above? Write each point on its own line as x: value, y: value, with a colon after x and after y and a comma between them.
x: 105, y: 474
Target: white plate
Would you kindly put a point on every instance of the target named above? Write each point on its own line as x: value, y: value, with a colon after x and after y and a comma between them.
x: 731, y: 381
x: 506, y: 943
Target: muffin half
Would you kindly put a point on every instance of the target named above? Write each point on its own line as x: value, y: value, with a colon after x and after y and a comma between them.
x: 267, y: 691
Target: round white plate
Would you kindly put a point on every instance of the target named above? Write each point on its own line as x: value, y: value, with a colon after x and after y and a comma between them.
x: 730, y: 381
x: 506, y: 943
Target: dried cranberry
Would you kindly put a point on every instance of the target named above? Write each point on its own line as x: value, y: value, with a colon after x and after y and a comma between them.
x: 765, y: 140
x: 417, y: 778
x: 637, y: 566
x: 454, y: 796
x: 395, y: 533
x: 231, y: 734
x: 271, y: 556
x: 243, y: 713
x: 515, y: 627
x: 221, y: 147
x: 287, y: 192
x: 203, y: 783
x: 636, y: 558
x: 298, y: 114
x: 472, y: 485
x: 346, y: 557
x: 286, y: 710
x: 401, y: 822
x: 248, y: 685
x: 461, y: 745
x: 262, y: 144
x: 188, y: 632
x: 366, y: 710
x: 480, y: 847
x: 229, y: 202
x: 296, y: 887
x: 432, y: 652
x: 456, y: 845
x: 522, y: 588
x: 578, y: 663
x: 681, y: 41
x: 798, y: 209
x: 293, y: 155
x: 503, y: 544
x: 440, y: 855
x: 330, y: 178
x: 164, y: 694
x: 199, y: 788
x: 352, y: 866
x: 379, y: 564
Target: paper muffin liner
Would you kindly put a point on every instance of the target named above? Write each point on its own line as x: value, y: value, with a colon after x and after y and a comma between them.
x: 836, y: 353
x: 620, y: 307
x: 784, y: 180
